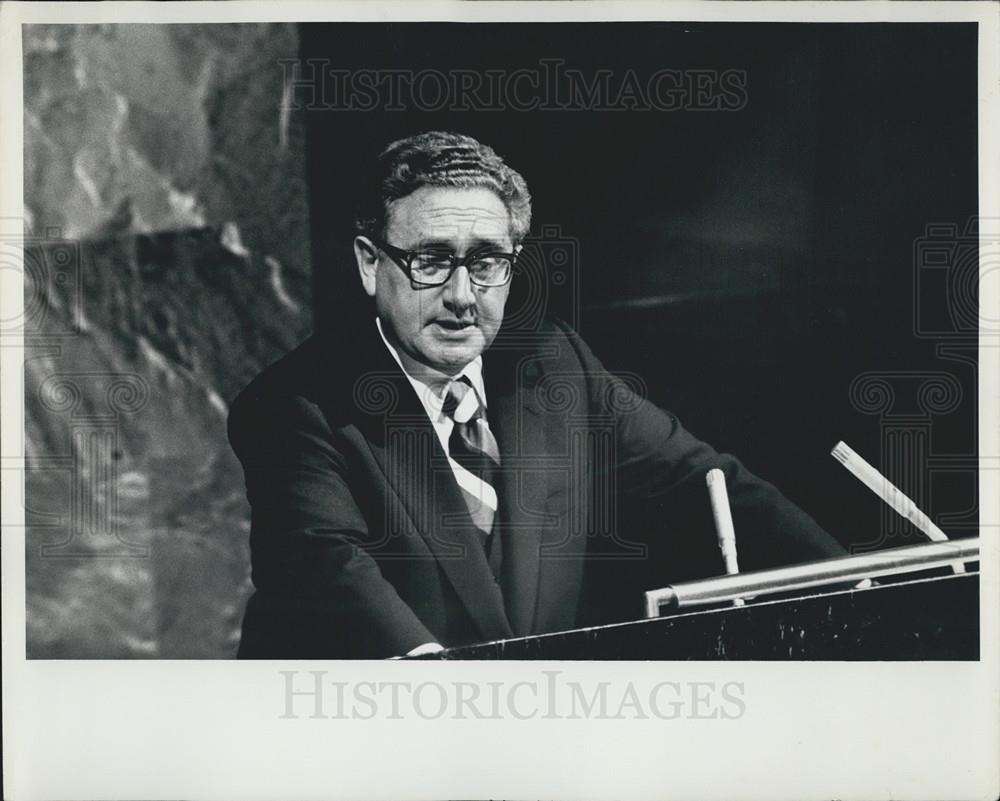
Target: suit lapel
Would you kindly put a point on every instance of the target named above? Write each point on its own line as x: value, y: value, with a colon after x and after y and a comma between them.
x: 511, y: 376
x: 406, y: 447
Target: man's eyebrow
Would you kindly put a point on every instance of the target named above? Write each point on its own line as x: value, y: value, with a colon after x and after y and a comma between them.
x: 479, y: 243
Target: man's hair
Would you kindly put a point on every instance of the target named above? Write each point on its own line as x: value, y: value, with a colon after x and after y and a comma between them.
x: 440, y: 158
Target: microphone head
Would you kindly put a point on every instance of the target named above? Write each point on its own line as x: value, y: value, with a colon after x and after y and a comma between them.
x: 714, y: 476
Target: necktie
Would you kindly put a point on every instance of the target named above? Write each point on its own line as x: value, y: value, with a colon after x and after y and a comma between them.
x: 473, y: 449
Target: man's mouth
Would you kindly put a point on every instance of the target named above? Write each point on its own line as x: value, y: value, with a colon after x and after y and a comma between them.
x: 454, y: 325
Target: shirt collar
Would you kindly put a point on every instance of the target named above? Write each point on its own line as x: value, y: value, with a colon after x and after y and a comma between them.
x: 432, y: 385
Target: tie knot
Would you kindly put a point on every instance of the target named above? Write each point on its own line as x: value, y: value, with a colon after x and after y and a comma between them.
x: 461, y: 403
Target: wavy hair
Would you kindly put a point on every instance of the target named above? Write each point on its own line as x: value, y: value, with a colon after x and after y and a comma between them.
x: 440, y: 158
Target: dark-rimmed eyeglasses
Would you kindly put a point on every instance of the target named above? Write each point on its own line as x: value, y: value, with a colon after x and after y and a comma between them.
x: 434, y: 268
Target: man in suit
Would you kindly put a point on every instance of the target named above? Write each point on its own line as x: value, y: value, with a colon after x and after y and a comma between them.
x: 440, y: 477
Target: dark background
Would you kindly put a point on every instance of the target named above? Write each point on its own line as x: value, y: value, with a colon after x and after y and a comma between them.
x: 748, y: 264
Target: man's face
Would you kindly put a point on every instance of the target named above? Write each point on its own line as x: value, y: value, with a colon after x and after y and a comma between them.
x: 443, y: 327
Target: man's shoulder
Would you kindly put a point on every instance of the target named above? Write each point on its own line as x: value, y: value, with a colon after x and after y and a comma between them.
x: 307, y: 371
x: 540, y: 335
x: 550, y: 340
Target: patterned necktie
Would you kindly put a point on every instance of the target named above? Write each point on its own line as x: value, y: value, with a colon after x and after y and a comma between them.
x: 474, y: 454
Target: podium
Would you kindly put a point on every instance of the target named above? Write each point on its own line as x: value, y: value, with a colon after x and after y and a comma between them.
x: 927, y: 618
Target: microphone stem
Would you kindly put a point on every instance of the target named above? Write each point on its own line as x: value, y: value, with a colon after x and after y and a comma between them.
x: 723, y: 516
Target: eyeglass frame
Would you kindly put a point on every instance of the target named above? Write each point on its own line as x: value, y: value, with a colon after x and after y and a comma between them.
x: 404, y: 260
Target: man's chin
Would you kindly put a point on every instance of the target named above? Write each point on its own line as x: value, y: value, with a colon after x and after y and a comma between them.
x: 450, y: 357
x: 451, y: 360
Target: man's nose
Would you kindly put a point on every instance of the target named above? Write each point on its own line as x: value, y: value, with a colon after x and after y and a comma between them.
x: 458, y: 292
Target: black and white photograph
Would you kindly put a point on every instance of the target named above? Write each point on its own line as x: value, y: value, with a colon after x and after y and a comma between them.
x: 579, y: 396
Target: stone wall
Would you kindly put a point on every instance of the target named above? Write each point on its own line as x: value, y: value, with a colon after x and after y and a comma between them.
x: 167, y: 220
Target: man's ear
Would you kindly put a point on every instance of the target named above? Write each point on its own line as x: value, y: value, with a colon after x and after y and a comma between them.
x: 366, y: 255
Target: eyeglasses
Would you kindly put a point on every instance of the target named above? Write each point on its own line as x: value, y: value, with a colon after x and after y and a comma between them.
x: 486, y: 268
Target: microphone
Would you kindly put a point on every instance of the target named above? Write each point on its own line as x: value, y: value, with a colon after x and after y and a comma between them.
x: 890, y: 494
x: 723, y: 517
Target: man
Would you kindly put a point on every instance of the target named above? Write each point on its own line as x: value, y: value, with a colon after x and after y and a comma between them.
x: 438, y: 477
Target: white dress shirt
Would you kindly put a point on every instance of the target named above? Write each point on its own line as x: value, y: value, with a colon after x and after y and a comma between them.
x: 432, y: 390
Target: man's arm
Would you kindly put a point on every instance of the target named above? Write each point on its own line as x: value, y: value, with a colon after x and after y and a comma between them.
x: 319, y: 594
x: 659, y: 460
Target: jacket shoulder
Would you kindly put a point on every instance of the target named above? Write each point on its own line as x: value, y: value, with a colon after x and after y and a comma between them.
x: 306, y: 373
x: 556, y: 334
x: 548, y: 332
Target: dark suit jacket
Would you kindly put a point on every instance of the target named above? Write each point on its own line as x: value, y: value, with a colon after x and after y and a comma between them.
x: 360, y: 542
